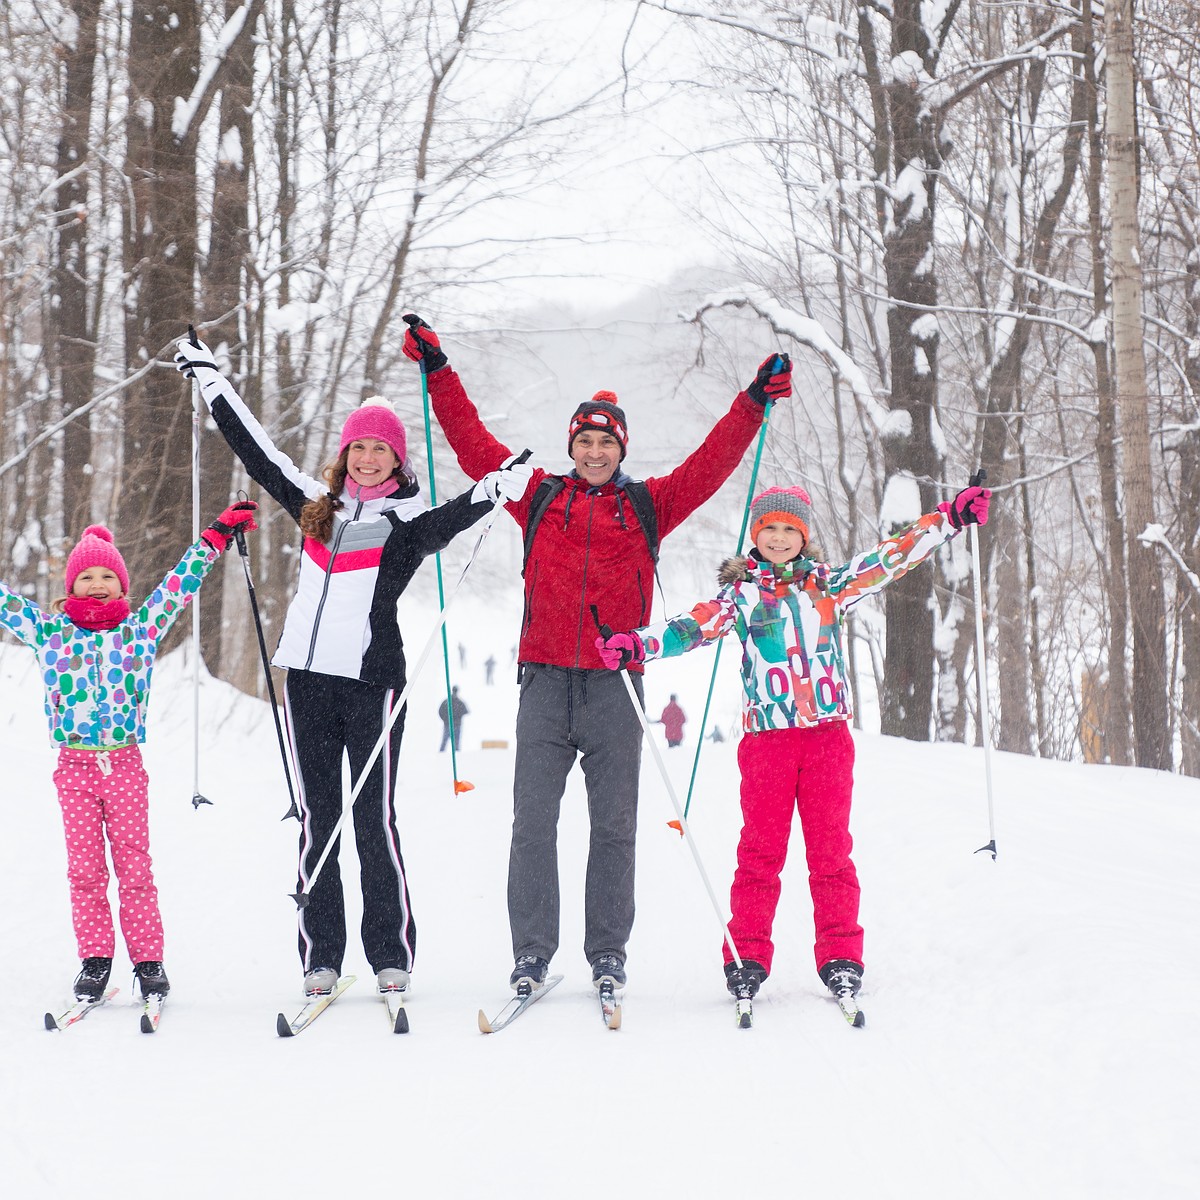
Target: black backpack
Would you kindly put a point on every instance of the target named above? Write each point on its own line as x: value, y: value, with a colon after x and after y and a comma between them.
x: 636, y: 492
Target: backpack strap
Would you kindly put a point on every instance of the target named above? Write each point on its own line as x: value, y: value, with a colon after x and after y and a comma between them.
x: 542, y: 497
x: 636, y: 492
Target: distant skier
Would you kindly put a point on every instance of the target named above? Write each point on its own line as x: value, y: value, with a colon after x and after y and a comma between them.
x: 458, y: 709
x: 786, y: 607
x: 489, y: 670
x: 96, y: 657
x: 592, y: 542
x: 673, y: 721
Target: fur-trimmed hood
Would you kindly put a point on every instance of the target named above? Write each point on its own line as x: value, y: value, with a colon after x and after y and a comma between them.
x: 745, y: 569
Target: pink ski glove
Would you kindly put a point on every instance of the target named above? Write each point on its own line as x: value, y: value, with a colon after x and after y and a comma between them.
x: 236, y: 516
x: 620, y: 649
x: 969, y: 507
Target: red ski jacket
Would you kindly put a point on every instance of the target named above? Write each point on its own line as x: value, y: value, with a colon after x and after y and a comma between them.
x: 588, y: 548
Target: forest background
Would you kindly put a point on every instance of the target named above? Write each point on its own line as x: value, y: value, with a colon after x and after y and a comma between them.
x: 972, y: 225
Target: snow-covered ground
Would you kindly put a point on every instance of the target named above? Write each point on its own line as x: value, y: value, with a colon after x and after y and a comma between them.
x: 1022, y: 1036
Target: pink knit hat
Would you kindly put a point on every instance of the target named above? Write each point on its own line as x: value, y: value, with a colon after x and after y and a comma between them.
x: 375, y: 418
x: 790, y: 505
x: 95, y: 549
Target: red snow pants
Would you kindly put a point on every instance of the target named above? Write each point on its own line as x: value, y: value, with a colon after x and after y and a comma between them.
x: 810, y: 771
x: 95, y: 802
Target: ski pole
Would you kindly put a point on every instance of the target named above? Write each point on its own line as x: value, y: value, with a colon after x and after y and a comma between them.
x: 762, y: 438
x: 244, y: 554
x: 680, y: 822
x: 197, y: 797
x: 302, y: 896
x: 459, y: 785
x: 985, y: 724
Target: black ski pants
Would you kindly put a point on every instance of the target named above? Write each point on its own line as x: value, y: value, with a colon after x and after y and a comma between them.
x: 328, y: 717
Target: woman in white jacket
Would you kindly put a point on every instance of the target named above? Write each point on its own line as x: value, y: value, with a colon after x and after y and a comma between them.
x: 366, y: 532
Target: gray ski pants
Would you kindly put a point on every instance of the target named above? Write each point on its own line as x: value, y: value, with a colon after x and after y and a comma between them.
x: 564, y: 713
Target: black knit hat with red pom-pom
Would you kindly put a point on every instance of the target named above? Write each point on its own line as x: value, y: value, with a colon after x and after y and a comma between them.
x: 603, y: 413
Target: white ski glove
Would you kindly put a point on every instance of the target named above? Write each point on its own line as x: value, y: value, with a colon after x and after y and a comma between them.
x: 505, y: 485
x: 196, y: 361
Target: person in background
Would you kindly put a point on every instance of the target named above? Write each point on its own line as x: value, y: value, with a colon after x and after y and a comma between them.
x: 673, y: 721
x: 365, y: 531
x: 787, y: 607
x: 590, y: 550
x: 96, y: 657
x: 456, y: 709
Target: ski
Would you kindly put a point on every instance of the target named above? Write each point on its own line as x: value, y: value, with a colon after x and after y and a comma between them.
x: 516, y: 1006
x: 850, y: 1010
x: 744, y: 1011
x: 152, y: 1007
x: 397, y: 1017
x: 77, y: 1010
x: 312, y: 1009
x: 610, y: 1006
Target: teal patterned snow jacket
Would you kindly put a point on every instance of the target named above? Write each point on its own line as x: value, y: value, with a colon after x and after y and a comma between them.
x: 98, y: 681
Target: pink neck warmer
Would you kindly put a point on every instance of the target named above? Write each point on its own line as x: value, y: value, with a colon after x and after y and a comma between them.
x: 375, y: 492
x: 96, y: 614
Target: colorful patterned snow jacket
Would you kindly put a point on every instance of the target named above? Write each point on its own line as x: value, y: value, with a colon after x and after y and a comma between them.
x: 98, y: 681
x: 789, y: 619
x: 588, y: 549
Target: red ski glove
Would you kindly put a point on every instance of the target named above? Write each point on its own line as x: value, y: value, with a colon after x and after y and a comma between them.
x: 236, y: 516
x: 421, y: 344
x: 618, y: 650
x: 969, y: 507
x: 773, y: 381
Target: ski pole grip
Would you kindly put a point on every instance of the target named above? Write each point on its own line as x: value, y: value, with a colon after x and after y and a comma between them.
x: 978, y: 478
x: 192, y: 335
x: 523, y: 456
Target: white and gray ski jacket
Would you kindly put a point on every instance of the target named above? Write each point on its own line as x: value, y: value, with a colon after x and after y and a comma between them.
x: 342, y: 618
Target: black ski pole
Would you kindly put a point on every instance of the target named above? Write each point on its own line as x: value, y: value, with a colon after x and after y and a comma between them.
x: 240, y: 537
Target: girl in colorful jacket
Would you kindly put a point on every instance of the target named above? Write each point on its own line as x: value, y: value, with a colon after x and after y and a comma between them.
x: 787, y: 609
x: 366, y: 532
x: 96, y: 658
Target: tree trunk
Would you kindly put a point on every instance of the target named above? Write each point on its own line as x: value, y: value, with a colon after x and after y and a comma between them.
x: 160, y: 265
x: 906, y: 706
x: 223, y: 292
x: 74, y: 349
x: 1116, y: 712
x: 1151, y: 716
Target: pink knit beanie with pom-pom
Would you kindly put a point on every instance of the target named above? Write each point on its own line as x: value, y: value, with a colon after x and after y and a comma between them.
x: 95, y: 549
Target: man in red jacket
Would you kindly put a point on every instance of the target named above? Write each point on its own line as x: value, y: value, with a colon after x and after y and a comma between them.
x: 673, y: 721
x: 588, y: 552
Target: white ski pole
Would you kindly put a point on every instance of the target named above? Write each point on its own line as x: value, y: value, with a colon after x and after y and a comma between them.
x: 684, y: 829
x: 302, y: 896
x: 197, y: 797
x: 985, y: 724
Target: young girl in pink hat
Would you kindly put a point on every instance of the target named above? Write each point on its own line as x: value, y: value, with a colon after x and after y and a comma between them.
x: 787, y: 609
x: 96, y: 657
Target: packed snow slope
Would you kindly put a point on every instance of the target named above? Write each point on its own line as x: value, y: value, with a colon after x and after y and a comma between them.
x: 1022, y: 1033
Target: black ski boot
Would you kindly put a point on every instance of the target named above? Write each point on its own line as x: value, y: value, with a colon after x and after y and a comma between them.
x: 608, y: 966
x: 153, y: 979
x: 92, y: 979
x: 843, y: 977
x: 529, y: 973
x: 743, y: 982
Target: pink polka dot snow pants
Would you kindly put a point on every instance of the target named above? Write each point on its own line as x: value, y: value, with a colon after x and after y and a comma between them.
x: 93, y: 804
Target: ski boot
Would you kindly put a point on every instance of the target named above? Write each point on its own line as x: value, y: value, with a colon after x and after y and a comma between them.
x: 92, y: 979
